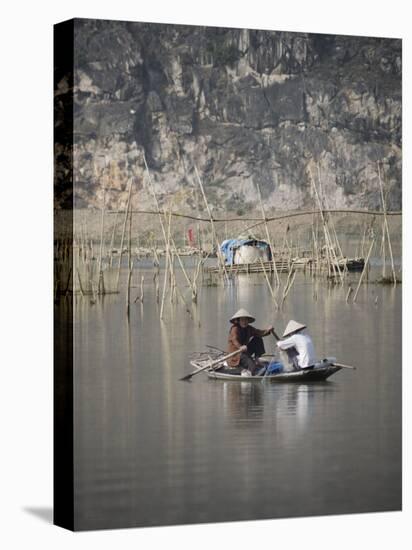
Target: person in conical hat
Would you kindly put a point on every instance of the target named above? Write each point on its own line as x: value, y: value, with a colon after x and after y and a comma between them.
x: 291, y: 327
x: 245, y: 337
x: 295, y: 339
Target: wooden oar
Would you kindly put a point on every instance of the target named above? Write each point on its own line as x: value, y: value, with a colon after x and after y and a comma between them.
x: 343, y: 366
x: 275, y: 335
x: 211, y: 365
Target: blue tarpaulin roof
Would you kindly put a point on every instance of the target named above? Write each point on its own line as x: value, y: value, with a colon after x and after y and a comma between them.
x: 229, y: 246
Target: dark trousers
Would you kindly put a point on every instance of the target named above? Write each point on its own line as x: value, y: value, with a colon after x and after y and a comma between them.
x: 255, y: 349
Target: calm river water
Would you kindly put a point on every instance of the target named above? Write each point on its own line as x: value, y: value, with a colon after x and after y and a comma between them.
x: 152, y: 450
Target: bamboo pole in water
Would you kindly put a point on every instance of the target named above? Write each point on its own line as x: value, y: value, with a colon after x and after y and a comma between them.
x: 272, y: 291
x: 112, y: 240
x: 99, y: 270
x: 383, y: 250
x: 66, y: 292
x: 214, y: 234
x: 159, y: 213
x: 123, y: 233
x: 272, y: 250
x: 80, y: 282
x: 330, y: 252
x: 189, y: 282
x: 330, y: 218
x: 288, y: 287
x: 365, y: 267
x: 385, y: 221
x: 129, y: 251
x: 316, y: 249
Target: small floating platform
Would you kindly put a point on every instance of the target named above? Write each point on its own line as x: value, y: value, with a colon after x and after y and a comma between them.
x: 262, y: 267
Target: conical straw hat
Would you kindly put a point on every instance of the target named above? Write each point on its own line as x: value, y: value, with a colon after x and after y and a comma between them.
x: 242, y: 313
x: 292, y: 326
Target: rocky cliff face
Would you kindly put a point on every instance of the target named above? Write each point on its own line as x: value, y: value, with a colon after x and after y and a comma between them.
x: 246, y: 107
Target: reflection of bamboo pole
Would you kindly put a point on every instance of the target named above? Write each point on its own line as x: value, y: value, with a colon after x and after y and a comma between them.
x: 168, y: 267
x: 365, y: 267
x: 141, y: 296
x: 272, y: 250
x: 157, y: 291
x: 385, y: 221
x: 129, y: 280
x: 142, y: 289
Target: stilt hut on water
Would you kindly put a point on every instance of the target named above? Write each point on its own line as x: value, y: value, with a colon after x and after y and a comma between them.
x: 245, y: 251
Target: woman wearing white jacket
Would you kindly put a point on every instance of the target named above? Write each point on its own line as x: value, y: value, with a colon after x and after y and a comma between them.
x: 294, y: 337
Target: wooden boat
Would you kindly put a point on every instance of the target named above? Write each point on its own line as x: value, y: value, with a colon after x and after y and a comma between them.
x: 351, y: 264
x: 319, y: 372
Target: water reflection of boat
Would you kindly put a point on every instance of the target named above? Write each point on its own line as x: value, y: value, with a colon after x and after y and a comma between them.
x: 319, y: 372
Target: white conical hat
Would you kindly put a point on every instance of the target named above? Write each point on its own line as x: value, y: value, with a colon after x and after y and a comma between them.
x: 242, y: 313
x: 292, y: 326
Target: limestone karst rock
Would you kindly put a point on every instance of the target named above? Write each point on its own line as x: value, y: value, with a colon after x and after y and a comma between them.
x: 246, y: 106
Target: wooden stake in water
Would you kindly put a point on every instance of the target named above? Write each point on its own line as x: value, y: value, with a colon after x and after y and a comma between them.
x: 365, y: 267
x: 212, y: 225
x: 385, y: 218
x: 112, y: 239
x: 271, y: 290
x: 330, y: 251
x: 123, y: 233
x: 272, y: 250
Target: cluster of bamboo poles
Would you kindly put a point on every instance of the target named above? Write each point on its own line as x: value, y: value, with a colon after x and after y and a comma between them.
x: 97, y: 270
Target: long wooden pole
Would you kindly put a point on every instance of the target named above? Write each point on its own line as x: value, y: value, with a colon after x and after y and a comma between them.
x: 214, y: 234
x: 272, y: 292
x: 272, y: 250
x: 124, y: 232
x: 211, y: 365
x: 386, y: 226
x: 270, y: 219
x: 112, y: 240
x: 332, y: 259
x: 365, y: 267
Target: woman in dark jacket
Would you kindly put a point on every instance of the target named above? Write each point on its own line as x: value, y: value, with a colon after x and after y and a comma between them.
x: 248, y: 339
